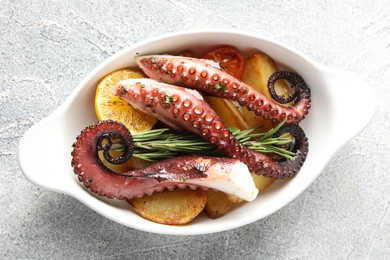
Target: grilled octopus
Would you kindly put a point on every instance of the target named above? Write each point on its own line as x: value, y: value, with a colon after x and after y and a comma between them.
x: 224, y: 174
x: 200, y: 75
x: 184, y: 108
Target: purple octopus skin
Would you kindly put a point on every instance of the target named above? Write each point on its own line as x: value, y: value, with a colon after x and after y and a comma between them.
x: 201, y: 75
x: 223, y: 174
x: 186, y: 109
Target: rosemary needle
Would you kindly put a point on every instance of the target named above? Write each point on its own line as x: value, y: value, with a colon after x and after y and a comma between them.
x: 158, y: 144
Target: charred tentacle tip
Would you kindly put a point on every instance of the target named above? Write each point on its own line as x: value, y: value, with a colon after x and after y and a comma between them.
x: 108, y: 134
x: 300, y: 146
x: 295, y: 131
x: 106, y: 142
x: 295, y: 81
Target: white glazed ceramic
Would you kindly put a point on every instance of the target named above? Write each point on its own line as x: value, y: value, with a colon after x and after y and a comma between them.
x: 342, y: 105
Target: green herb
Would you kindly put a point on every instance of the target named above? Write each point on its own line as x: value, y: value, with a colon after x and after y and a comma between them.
x: 221, y: 87
x: 168, y: 99
x: 159, y: 144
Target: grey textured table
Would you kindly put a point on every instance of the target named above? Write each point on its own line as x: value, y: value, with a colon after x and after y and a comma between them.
x: 46, y: 49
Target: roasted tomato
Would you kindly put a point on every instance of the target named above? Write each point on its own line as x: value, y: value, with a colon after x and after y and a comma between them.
x: 229, y: 58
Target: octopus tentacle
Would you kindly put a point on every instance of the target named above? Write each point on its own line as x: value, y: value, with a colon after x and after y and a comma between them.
x: 189, y: 111
x: 300, y: 146
x: 294, y: 79
x: 200, y: 75
x: 224, y: 174
x: 105, y: 142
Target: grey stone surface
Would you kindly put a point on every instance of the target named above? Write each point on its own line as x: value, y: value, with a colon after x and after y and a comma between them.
x: 47, y: 47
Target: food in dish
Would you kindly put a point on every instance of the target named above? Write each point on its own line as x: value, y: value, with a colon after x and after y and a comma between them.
x: 108, y: 106
x: 186, y: 109
x: 224, y: 174
x: 183, y: 109
x: 200, y: 75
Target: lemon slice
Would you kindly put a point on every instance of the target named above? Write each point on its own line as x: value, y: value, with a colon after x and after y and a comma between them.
x: 108, y: 106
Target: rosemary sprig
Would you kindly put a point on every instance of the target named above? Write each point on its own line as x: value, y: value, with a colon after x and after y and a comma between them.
x: 158, y: 144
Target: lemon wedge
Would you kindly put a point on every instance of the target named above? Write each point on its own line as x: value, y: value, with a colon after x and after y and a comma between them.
x: 108, y: 106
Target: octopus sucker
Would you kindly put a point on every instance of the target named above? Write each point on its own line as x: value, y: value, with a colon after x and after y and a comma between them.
x: 207, y: 78
x: 210, y: 127
x: 223, y: 174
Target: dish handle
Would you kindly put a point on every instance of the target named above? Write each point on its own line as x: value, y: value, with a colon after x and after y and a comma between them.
x: 351, y: 116
x: 40, y: 158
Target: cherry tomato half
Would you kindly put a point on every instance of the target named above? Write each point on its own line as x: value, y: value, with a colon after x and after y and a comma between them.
x: 229, y: 58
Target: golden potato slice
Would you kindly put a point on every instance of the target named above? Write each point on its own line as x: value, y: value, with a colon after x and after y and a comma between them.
x: 231, y: 117
x: 175, y: 207
x: 262, y: 182
x: 234, y: 199
x: 257, y: 71
x: 228, y: 112
x: 217, y: 204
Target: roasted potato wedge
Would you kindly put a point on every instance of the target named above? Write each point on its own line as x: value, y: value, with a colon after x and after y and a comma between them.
x: 262, y: 182
x: 175, y: 207
x: 234, y: 199
x: 257, y: 71
x: 217, y: 204
x: 229, y: 113
x: 231, y: 117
